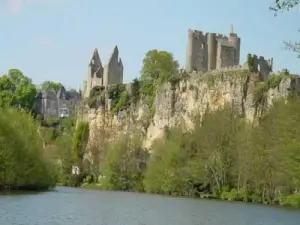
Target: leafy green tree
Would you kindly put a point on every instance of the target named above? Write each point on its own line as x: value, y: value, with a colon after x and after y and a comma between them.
x: 168, y: 170
x: 50, y: 86
x: 283, y: 5
x: 158, y: 67
x: 80, y: 140
x: 7, y: 89
x: 18, y: 90
x: 22, y: 157
x: 124, y: 165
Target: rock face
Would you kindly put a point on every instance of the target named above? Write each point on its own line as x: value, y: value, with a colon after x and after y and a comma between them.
x: 178, y: 104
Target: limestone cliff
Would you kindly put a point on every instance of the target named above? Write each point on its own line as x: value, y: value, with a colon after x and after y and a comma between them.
x: 177, y: 104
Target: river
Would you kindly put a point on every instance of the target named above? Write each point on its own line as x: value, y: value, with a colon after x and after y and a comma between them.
x: 70, y: 206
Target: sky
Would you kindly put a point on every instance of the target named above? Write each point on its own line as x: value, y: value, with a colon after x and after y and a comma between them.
x: 55, y: 39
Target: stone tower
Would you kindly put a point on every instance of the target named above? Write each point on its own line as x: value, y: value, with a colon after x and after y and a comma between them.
x: 102, y: 76
x: 211, y: 51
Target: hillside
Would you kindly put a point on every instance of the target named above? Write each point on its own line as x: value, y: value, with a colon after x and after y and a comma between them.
x: 177, y: 103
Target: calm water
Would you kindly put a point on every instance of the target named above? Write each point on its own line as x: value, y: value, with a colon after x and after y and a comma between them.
x: 69, y: 206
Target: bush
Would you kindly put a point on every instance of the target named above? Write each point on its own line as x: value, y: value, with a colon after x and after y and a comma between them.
x: 22, y: 157
x: 123, y: 166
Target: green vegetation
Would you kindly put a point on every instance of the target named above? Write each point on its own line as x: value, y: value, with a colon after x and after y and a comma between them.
x: 159, y: 67
x: 34, y: 154
x: 223, y: 157
x: 23, y: 162
x: 17, y: 90
x: 97, y: 98
x: 250, y: 63
x: 80, y: 140
x: 124, y: 165
x: 50, y: 86
x: 233, y: 76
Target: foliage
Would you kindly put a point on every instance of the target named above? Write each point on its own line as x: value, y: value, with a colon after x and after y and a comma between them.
x: 259, y: 92
x: 135, y: 87
x: 123, y: 103
x: 7, y: 89
x: 228, y: 159
x: 80, y: 139
x: 62, y: 152
x: 50, y: 86
x: 96, y: 98
x: 282, y: 5
x: 124, y: 165
x: 286, y: 5
x: 158, y: 67
x: 17, y: 90
x: 114, y: 93
x: 24, y: 164
x: 250, y: 62
x: 274, y: 80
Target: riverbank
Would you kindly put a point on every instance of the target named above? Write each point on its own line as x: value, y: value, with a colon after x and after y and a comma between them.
x: 25, y: 189
x: 292, y: 200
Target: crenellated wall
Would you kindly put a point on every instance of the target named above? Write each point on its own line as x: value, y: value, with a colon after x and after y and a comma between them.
x: 211, y: 51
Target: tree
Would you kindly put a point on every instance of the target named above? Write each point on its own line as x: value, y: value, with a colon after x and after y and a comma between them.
x: 50, y: 86
x: 22, y: 157
x: 7, y: 90
x: 80, y: 140
x: 283, y: 5
x: 158, y: 66
x: 17, y: 90
x: 286, y: 5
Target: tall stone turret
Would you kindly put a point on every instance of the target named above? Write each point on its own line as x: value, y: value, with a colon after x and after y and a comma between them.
x: 94, y: 73
x: 212, y: 50
x: 196, y: 55
x: 113, y: 71
x: 236, y: 43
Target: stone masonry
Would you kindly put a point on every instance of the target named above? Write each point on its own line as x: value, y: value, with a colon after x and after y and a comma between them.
x: 211, y: 51
x: 102, y: 76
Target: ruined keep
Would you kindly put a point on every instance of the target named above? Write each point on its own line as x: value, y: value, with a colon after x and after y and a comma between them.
x: 211, y: 51
x: 102, y: 76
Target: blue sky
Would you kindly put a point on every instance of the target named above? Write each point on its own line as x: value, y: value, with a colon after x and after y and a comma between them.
x: 54, y: 39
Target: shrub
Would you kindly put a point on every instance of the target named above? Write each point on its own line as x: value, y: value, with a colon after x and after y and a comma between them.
x: 22, y: 157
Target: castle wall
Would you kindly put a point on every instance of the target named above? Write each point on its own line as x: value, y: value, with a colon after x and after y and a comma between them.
x: 211, y: 51
x: 225, y: 55
x: 196, y: 51
x: 263, y: 66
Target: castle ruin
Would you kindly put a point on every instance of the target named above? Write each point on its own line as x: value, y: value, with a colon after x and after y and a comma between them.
x: 212, y: 51
x: 102, y: 76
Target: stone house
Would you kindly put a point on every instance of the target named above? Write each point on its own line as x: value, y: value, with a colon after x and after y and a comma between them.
x: 58, y: 104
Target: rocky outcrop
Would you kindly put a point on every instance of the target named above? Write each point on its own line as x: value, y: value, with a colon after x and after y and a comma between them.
x: 177, y: 104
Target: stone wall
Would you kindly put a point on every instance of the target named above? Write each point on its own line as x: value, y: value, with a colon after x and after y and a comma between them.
x: 211, y: 51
